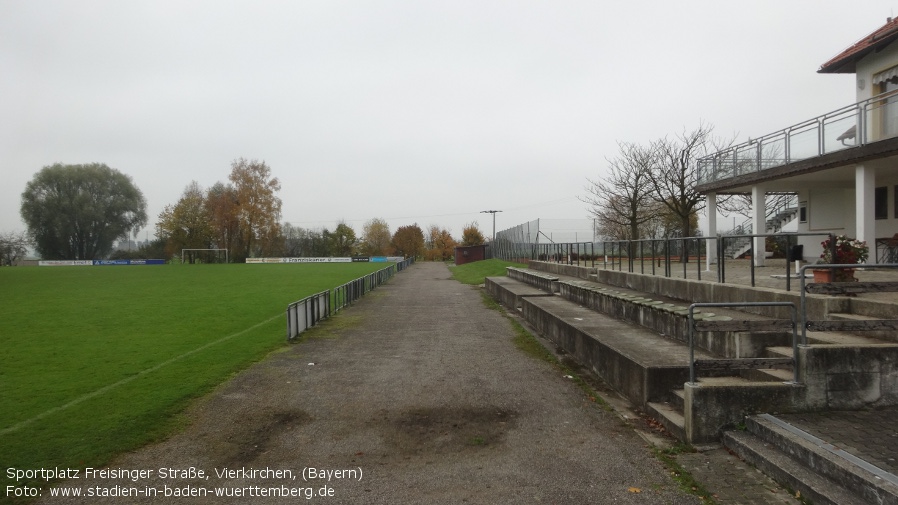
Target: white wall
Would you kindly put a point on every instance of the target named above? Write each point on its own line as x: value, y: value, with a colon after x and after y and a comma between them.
x: 872, y: 64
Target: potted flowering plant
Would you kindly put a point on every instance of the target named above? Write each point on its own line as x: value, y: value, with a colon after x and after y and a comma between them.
x: 841, y: 251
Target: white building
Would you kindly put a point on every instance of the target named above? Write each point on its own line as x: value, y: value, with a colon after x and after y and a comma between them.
x: 842, y: 165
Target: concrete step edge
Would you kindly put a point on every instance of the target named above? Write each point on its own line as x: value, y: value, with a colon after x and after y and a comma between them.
x: 669, y: 417
x: 787, y: 471
x: 868, y: 481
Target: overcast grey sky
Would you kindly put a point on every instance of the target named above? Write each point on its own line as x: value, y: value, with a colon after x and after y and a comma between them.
x: 420, y: 112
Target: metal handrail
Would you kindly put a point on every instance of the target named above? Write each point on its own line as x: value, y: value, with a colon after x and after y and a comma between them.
x: 794, y: 319
x: 804, y: 287
x: 712, y: 167
x: 305, y: 313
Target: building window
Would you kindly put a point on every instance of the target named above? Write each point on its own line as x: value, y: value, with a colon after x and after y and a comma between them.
x: 881, y: 203
x: 803, y: 212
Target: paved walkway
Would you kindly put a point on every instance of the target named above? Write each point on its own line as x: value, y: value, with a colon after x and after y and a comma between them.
x: 417, y: 394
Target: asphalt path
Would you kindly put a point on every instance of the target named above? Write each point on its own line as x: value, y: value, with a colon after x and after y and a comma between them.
x: 416, y: 394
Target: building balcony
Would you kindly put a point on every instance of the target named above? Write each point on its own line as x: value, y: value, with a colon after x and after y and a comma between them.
x: 854, y: 126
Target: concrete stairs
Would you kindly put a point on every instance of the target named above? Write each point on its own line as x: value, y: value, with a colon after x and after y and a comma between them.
x: 638, y: 344
x: 774, y: 224
x: 820, y: 472
x: 636, y: 341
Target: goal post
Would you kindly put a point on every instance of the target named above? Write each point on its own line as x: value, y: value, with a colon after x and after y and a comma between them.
x: 211, y: 255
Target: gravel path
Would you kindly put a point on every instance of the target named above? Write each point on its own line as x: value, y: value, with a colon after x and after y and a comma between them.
x: 417, y: 394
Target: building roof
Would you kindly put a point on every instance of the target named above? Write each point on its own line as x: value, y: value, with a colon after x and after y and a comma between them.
x: 846, y: 61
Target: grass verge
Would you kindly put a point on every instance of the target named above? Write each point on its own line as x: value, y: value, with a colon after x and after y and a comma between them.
x: 680, y: 475
x: 101, y: 360
x: 475, y: 273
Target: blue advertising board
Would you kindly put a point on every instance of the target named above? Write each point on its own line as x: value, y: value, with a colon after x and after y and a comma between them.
x: 128, y: 262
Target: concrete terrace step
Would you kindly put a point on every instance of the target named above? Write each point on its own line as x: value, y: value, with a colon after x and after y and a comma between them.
x: 643, y: 365
x: 788, y: 472
x: 510, y: 292
x: 769, y: 374
x: 671, y: 318
x: 670, y: 417
x: 799, y: 460
x: 720, y: 401
x: 710, y: 407
x: 542, y: 280
x: 886, y: 334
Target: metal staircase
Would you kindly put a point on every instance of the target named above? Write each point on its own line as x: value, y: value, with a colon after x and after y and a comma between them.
x: 777, y: 218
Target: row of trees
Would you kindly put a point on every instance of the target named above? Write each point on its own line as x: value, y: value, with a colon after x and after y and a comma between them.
x: 375, y: 240
x: 79, y: 211
x: 649, y: 191
x: 243, y: 217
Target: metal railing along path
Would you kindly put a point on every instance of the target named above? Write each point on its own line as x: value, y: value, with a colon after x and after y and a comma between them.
x: 307, y: 312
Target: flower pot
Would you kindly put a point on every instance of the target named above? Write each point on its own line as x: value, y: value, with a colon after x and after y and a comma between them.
x: 834, y: 275
x: 844, y: 275
x: 823, y: 275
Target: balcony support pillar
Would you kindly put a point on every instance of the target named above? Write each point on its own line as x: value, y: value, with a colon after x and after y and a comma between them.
x: 711, y: 248
x: 864, y: 208
x: 758, y: 222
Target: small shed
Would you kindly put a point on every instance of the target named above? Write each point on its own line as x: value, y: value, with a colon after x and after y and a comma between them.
x: 467, y: 254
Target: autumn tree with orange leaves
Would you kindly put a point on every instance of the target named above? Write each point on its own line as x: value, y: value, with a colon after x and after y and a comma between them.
x: 440, y: 244
x: 408, y: 241
x: 258, y: 207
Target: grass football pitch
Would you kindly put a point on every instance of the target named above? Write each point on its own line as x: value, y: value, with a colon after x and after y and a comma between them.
x: 100, y: 360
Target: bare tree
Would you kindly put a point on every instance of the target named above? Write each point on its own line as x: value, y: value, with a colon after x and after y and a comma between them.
x: 675, y: 175
x: 622, y: 202
x: 13, y: 247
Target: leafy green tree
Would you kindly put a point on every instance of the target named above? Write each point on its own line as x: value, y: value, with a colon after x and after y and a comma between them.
x: 408, y: 241
x: 78, y: 211
x: 342, y: 240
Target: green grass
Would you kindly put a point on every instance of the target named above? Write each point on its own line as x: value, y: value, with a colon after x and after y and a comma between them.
x: 680, y: 475
x: 474, y: 273
x: 100, y: 360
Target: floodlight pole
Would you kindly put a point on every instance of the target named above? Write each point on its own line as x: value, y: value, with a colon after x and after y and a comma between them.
x: 493, y: 212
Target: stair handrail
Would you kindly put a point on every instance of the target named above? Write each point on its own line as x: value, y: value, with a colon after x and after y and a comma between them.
x: 748, y: 324
x: 850, y: 288
x: 791, y: 204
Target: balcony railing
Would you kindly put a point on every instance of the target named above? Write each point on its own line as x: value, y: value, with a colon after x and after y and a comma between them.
x: 854, y: 125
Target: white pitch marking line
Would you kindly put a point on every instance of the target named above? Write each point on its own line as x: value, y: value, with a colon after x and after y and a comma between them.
x: 126, y: 380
